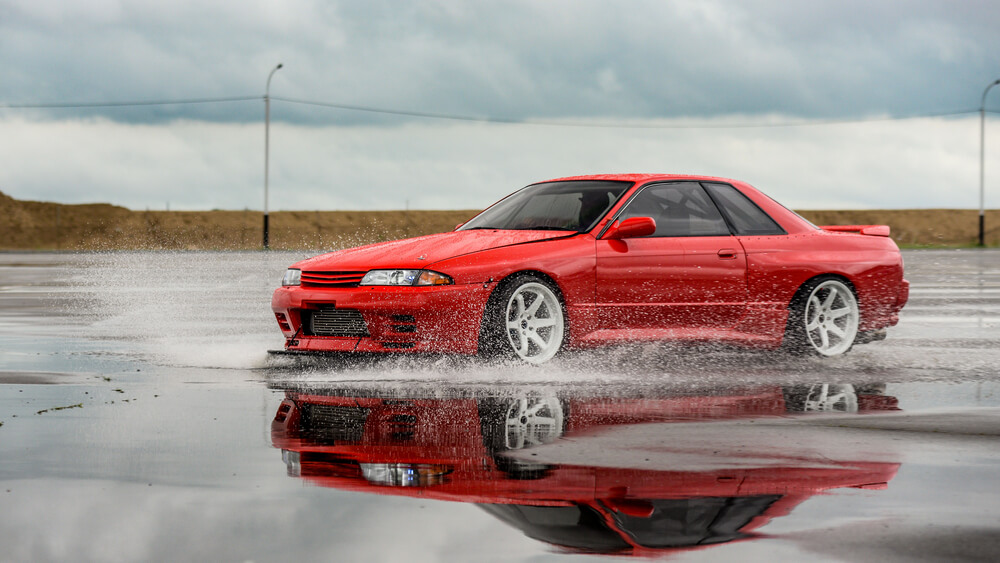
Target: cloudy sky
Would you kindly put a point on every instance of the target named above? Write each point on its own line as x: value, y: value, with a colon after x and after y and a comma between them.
x: 846, y: 104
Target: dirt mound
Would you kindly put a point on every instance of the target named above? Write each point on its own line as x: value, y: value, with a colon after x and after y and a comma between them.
x: 33, y: 225
x: 919, y: 227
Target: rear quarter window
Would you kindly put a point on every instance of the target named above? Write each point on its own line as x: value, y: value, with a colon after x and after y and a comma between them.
x: 743, y: 214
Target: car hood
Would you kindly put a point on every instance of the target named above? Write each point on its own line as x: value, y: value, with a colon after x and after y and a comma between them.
x: 421, y: 252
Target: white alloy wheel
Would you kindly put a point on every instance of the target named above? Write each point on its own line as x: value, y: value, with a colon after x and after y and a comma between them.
x: 831, y: 318
x: 534, y: 322
x: 828, y: 398
x: 532, y: 421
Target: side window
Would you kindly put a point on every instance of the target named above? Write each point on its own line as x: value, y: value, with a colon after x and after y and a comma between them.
x: 681, y: 209
x: 746, y: 217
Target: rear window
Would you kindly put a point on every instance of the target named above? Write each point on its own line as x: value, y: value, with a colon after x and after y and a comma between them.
x: 743, y: 214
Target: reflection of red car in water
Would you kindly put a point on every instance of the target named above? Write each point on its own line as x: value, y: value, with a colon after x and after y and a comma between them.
x: 454, y: 449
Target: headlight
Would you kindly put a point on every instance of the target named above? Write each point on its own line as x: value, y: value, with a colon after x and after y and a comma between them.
x: 405, y: 474
x: 293, y: 276
x: 405, y: 277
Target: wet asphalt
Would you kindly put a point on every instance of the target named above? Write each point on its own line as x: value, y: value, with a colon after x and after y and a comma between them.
x: 141, y: 419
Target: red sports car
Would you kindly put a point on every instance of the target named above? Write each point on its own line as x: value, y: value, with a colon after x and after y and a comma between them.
x: 593, y: 260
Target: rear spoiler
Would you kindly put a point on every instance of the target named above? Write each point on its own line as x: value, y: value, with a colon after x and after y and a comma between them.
x: 870, y: 230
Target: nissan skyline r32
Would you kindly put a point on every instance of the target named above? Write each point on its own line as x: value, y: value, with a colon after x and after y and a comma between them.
x: 589, y: 261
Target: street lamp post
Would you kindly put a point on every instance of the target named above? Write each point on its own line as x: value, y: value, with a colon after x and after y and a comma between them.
x: 982, y: 158
x: 267, y: 148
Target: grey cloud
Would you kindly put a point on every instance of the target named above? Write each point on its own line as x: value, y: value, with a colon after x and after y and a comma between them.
x: 521, y: 59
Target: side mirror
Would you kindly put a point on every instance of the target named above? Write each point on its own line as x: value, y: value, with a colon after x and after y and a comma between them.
x: 631, y: 228
x: 636, y: 508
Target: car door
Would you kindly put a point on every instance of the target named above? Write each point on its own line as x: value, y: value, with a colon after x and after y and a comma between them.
x: 690, y: 273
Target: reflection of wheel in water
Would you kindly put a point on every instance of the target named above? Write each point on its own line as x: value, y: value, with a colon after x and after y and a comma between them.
x: 517, y: 423
x: 532, y: 421
x: 824, y: 318
x: 829, y: 397
x: 826, y: 397
x: 525, y: 320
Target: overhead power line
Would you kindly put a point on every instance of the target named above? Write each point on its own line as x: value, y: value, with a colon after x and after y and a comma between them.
x: 493, y: 119
x: 620, y: 124
x: 81, y: 105
x: 429, y: 115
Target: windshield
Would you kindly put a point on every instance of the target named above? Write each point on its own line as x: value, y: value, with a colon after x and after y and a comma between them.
x: 694, y: 521
x: 556, y: 206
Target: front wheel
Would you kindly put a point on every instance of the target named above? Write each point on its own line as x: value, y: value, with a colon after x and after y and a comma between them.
x: 516, y: 423
x: 824, y: 318
x: 527, y: 321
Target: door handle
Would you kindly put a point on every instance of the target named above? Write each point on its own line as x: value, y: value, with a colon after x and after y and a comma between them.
x: 727, y: 254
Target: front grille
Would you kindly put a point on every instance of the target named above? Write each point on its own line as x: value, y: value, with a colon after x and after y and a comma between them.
x: 331, y: 279
x: 329, y: 321
x: 334, y: 422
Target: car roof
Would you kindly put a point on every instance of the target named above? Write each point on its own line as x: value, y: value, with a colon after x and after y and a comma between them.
x: 791, y: 222
x: 642, y: 178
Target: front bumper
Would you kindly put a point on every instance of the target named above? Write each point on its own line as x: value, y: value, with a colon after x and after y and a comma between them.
x: 397, y: 319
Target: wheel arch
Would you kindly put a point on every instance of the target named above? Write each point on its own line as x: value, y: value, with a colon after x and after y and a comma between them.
x: 509, y: 278
x: 804, y: 286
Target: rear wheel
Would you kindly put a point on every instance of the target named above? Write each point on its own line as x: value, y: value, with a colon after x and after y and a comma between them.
x: 526, y: 321
x: 824, y: 318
